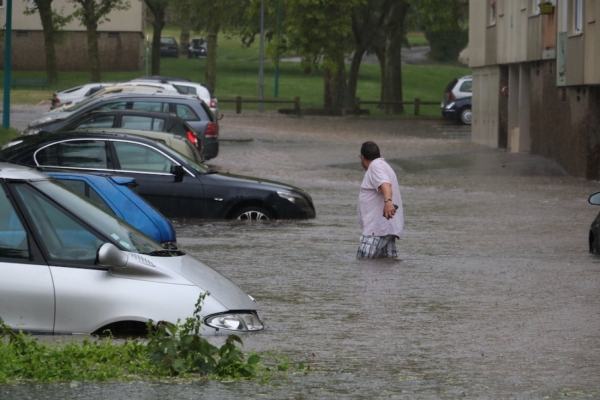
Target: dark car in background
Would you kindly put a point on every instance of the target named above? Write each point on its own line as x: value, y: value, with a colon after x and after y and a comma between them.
x: 456, y: 104
x: 191, y: 109
x: 169, y: 47
x: 197, y: 48
x: 174, y: 184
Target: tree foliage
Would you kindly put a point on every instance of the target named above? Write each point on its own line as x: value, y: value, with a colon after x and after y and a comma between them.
x: 211, y: 17
x: 446, y: 27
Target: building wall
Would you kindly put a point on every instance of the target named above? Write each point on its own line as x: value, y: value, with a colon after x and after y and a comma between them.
x: 564, y: 122
x: 120, y: 39
x: 119, y: 51
x: 130, y: 20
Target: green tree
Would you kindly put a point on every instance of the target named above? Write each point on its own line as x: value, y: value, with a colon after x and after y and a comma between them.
x: 92, y: 13
x: 446, y: 27
x: 158, y: 9
x: 320, y: 32
x: 211, y: 17
x: 52, y: 23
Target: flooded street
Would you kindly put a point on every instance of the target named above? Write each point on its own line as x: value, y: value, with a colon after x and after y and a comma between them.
x: 494, y: 296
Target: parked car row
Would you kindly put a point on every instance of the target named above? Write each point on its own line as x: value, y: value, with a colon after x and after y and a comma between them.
x: 86, y: 197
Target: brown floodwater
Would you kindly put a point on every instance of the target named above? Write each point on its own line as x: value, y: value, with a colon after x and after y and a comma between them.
x: 494, y: 294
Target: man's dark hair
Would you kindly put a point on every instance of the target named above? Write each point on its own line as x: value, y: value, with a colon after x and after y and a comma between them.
x: 370, y: 151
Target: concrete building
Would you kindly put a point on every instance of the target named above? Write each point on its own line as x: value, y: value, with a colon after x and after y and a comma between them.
x: 120, y: 40
x: 536, y: 79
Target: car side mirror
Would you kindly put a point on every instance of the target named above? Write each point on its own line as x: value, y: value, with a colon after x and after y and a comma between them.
x: 595, y: 199
x: 178, y: 171
x: 110, y: 256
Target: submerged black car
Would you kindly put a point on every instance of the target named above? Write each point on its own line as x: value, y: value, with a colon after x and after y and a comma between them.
x: 178, y: 187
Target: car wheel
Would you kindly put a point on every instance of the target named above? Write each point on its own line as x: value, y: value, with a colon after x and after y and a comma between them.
x: 465, y: 116
x: 252, y: 214
x: 592, y: 243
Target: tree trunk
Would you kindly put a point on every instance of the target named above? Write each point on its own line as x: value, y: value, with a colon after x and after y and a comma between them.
x: 359, y: 52
x: 339, y: 86
x: 210, y: 79
x: 156, y: 34
x: 92, y: 42
x: 45, y: 10
x: 380, y: 53
x: 184, y: 36
x: 392, y: 80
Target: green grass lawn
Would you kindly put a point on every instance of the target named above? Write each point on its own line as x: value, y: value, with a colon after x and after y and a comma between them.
x: 238, y: 75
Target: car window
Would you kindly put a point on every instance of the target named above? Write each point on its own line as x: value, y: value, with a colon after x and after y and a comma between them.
x: 186, y: 113
x: 63, y: 237
x: 137, y: 157
x: 143, y: 123
x: 119, y: 105
x: 101, y: 121
x: 185, y: 89
x: 74, y: 153
x: 94, y: 90
x: 147, y: 105
x: 13, y: 237
x: 84, y: 189
x: 467, y: 86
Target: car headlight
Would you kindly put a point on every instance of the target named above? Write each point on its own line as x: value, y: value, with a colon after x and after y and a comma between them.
x: 31, y: 131
x: 449, y: 106
x: 235, y: 322
x: 295, y: 198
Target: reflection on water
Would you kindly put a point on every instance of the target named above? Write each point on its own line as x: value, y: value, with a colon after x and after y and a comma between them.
x: 494, y: 295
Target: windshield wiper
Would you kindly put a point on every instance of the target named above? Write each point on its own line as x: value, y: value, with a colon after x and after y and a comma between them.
x: 165, y: 253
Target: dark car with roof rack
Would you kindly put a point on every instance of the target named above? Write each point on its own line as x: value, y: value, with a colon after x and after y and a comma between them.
x: 195, y: 112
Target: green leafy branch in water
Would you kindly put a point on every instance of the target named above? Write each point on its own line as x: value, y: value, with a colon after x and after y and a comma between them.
x: 171, y: 350
x: 179, y: 348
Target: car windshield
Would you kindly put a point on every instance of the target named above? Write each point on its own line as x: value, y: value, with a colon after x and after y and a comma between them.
x: 127, y: 237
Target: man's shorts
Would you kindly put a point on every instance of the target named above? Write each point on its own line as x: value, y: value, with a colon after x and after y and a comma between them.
x: 377, y: 247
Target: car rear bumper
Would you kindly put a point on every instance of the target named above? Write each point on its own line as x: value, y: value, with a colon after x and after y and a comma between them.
x: 210, y: 148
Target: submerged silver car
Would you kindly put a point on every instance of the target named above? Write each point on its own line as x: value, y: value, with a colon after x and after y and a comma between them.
x: 68, y: 267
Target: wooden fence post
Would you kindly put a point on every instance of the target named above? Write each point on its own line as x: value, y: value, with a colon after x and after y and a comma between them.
x: 297, y: 105
x: 417, y: 107
x: 238, y: 105
x: 357, y: 106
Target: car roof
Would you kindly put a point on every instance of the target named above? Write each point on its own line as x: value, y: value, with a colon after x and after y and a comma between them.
x: 161, y: 78
x: 15, y: 171
x: 157, y: 114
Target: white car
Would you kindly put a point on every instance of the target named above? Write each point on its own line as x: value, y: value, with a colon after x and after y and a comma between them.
x: 186, y: 87
x: 69, y: 267
x: 76, y: 93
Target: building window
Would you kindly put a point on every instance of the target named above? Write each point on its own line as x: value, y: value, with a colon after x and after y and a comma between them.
x: 577, y: 16
x: 1, y: 3
x: 493, y: 12
x: 535, y: 8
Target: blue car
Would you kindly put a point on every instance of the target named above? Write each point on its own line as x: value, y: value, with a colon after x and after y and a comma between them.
x: 113, y: 193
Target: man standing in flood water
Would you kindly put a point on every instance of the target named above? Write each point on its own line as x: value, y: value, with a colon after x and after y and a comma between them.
x: 379, y: 206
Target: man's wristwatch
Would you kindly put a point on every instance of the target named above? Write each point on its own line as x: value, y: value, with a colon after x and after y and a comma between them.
x: 386, y: 200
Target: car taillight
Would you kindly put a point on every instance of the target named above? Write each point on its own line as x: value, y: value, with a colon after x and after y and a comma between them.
x: 55, y: 100
x: 211, y: 130
x: 452, y: 96
x: 193, y: 138
x: 213, y: 103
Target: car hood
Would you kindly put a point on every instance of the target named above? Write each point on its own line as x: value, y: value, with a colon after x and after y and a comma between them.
x: 187, y: 270
x: 240, y: 181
